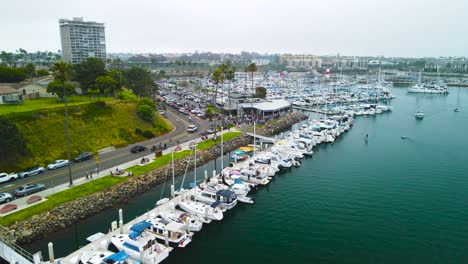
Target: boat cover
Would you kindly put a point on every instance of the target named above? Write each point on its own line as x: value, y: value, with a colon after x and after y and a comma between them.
x: 215, y: 204
x: 139, y: 227
x: 117, y: 257
x: 238, y: 181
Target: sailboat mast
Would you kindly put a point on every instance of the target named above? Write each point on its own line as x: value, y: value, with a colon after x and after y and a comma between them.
x: 195, y: 170
x: 222, y: 150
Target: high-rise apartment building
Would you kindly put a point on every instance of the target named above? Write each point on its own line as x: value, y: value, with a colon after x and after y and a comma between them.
x: 81, y: 40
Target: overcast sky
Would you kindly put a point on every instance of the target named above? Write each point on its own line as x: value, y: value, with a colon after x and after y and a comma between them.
x: 413, y: 28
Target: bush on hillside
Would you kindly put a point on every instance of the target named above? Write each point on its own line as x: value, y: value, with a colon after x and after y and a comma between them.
x: 145, y: 112
x: 148, y: 102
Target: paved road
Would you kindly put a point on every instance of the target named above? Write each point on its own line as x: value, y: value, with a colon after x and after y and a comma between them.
x: 114, y: 158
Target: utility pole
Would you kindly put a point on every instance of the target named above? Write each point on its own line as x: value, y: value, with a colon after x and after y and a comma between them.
x: 67, y: 136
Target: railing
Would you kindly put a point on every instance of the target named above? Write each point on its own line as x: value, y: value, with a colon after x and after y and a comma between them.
x: 19, y: 250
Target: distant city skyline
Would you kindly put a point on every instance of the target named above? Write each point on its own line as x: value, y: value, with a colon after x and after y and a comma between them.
x: 396, y: 28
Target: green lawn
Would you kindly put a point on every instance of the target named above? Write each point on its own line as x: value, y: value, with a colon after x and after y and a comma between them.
x: 49, y: 103
x: 62, y: 197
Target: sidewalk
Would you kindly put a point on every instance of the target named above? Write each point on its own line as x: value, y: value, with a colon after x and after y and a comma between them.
x: 21, y: 203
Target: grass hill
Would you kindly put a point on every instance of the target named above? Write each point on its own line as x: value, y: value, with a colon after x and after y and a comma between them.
x: 93, y: 125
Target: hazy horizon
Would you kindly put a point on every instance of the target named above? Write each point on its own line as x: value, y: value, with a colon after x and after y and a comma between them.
x: 352, y: 28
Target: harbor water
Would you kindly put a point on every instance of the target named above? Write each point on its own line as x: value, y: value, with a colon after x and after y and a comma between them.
x: 390, y: 200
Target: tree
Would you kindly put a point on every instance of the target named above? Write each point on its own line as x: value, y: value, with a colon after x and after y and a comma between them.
x: 106, y: 84
x: 88, y: 70
x: 13, y: 145
x: 42, y: 72
x: 30, y: 70
x: 139, y: 80
x: 252, y: 67
x: 260, y: 92
x: 60, y: 88
x: 11, y: 75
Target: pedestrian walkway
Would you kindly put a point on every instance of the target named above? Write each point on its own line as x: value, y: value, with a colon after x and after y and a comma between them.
x: 21, y: 203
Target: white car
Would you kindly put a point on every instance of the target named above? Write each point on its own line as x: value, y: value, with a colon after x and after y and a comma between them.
x: 57, y: 164
x: 8, y: 177
x: 192, y: 128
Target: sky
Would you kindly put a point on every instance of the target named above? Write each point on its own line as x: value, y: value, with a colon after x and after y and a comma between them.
x: 392, y: 28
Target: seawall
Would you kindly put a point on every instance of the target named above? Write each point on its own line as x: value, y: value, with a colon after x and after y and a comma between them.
x: 38, y: 226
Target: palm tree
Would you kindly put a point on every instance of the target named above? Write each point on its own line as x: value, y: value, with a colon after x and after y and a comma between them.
x: 252, y: 67
x: 63, y: 73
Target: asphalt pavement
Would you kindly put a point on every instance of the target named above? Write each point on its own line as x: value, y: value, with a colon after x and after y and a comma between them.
x: 116, y: 157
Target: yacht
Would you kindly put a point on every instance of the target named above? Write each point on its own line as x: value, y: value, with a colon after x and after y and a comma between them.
x: 140, y: 245
x: 182, y: 217
x: 209, y: 212
x: 176, y: 235
x: 100, y: 256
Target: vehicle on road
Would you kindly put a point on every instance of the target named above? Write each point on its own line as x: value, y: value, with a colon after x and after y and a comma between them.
x: 83, y: 156
x: 57, y: 164
x: 29, y: 189
x: 138, y: 148
x: 5, y: 197
x: 31, y: 171
x: 4, y: 177
x: 192, y: 128
x: 210, y: 131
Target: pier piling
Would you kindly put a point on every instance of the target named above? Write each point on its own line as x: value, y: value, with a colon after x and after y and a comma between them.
x: 51, y: 252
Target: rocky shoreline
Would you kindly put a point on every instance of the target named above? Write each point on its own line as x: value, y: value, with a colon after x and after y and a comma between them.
x: 38, y: 226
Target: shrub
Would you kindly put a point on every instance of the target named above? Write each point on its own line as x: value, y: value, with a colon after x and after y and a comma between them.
x: 145, y: 112
x: 148, y: 102
x: 138, y: 131
x: 148, y: 134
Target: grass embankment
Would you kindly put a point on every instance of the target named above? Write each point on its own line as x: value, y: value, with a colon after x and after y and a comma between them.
x: 167, y: 158
x: 61, y: 198
x: 92, y: 126
x: 105, y: 182
x: 49, y: 103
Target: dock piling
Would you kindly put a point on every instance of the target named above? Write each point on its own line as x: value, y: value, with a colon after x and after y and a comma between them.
x: 51, y: 252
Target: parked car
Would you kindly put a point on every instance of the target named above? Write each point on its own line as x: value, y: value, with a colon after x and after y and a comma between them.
x: 4, y: 177
x: 83, y: 156
x: 138, y: 148
x: 57, y: 164
x: 163, y: 113
x: 28, y: 189
x: 31, y: 171
x: 192, y: 128
x: 210, y: 131
x: 5, y: 197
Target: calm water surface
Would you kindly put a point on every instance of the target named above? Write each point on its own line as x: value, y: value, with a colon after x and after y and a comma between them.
x: 388, y: 201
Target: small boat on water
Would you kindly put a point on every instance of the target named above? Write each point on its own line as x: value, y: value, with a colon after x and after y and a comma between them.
x: 100, y: 256
x: 181, y: 217
x: 419, y: 114
x: 210, y: 212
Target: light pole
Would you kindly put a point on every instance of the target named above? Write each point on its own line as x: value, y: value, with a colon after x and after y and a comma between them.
x: 67, y: 136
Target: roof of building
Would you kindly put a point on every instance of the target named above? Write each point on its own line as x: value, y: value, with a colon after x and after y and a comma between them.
x: 270, y: 105
x: 7, y: 88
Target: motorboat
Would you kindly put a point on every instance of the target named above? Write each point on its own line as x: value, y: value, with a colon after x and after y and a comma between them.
x: 140, y: 245
x: 182, y: 217
x: 202, y: 210
x: 100, y: 256
x: 176, y: 235
x: 419, y: 114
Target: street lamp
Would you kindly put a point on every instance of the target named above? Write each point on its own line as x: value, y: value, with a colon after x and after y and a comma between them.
x: 67, y: 135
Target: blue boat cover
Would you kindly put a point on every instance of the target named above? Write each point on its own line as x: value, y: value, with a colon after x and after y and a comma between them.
x: 239, y: 152
x: 192, y: 184
x: 215, y: 204
x: 238, y: 181
x: 133, y: 235
x: 117, y: 257
x: 140, y: 226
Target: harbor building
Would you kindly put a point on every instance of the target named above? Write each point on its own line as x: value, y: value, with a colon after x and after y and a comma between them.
x: 301, y: 61
x: 82, y: 39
